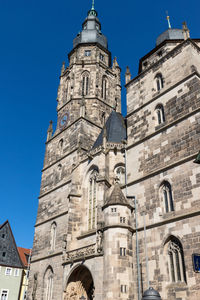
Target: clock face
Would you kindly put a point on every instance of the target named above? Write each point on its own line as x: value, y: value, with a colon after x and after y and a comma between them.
x: 64, y: 120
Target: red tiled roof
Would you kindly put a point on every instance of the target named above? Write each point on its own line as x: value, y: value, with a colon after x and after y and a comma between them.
x: 24, y: 253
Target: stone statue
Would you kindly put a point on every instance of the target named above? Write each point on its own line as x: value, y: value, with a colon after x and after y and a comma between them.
x: 99, y: 240
x: 35, y: 277
x: 64, y: 243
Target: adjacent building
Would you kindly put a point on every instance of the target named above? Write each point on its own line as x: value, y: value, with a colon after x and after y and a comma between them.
x: 12, y: 266
x: 101, y: 171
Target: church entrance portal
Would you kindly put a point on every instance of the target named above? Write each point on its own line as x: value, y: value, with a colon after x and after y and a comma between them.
x: 79, y: 285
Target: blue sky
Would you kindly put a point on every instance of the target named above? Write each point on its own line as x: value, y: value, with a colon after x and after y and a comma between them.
x: 35, y: 38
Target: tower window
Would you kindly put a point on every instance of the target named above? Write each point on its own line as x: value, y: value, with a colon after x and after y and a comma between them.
x: 176, y: 261
x: 48, y: 278
x: 113, y: 209
x: 166, y: 193
x: 123, y: 288
x: 85, y: 84
x: 53, y: 235
x: 122, y: 220
x: 4, y: 254
x: 92, y: 200
x: 160, y: 114
x: 159, y: 82
x: 122, y: 251
x: 101, y: 56
x: 87, y: 52
x: 104, y: 88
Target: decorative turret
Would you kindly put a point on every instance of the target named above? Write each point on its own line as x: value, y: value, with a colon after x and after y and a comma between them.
x: 91, y: 31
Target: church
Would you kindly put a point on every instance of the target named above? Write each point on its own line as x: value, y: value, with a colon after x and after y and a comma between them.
x: 119, y: 204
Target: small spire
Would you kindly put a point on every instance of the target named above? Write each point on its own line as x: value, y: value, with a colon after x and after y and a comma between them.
x: 92, y: 11
x: 50, y: 131
x: 127, y: 75
x: 186, y: 31
x: 63, y: 68
x: 168, y: 20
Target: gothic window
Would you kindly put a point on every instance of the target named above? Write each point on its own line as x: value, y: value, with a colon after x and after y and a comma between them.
x: 92, y: 200
x: 120, y: 174
x: 53, y: 235
x: 159, y: 82
x: 85, y: 84
x: 60, y: 146
x: 68, y: 88
x: 166, y: 193
x: 176, y: 261
x: 160, y: 114
x: 48, y: 284
x: 104, y: 88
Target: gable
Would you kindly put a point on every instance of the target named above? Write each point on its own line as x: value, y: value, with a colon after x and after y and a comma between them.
x: 9, y: 255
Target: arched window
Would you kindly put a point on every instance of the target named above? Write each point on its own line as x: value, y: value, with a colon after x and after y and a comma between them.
x: 176, y: 263
x: 48, y: 284
x: 53, y: 235
x: 92, y: 200
x: 60, y: 146
x: 159, y: 82
x: 68, y: 88
x: 160, y: 114
x: 85, y: 84
x: 166, y: 193
x: 120, y: 174
x: 104, y: 88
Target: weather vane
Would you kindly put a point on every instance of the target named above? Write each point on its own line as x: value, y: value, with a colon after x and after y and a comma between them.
x: 168, y: 20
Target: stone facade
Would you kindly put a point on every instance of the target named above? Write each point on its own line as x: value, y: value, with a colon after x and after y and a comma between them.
x: 85, y: 233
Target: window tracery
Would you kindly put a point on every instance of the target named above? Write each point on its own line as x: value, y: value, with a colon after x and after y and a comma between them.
x: 159, y: 82
x: 176, y: 261
x: 48, y: 282
x: 85, y: 84
x: 104, y: 88
x: 53, y: 235
x: 160, y: 114
x: 120, y: 174
x: 92, y: 200
x: 166, y: 193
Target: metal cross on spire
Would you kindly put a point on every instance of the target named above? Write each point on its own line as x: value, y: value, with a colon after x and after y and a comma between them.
x: 168, y: 20
x: 92, y: 4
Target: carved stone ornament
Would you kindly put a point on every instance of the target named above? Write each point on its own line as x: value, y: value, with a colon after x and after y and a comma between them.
x: 80, y: 253
x: 74, y: 291
x: 99, y: 239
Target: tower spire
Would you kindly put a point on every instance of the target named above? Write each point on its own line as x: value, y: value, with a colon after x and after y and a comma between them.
x: 168, y: 20
x: 92, y: 4
x: 92, y: 11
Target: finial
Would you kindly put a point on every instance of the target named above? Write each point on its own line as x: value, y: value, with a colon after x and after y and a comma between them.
x: 92, y: 11
x: 50, y: 131
x: 168, y: 20
x: 186, y: 31
x: 92, y: 4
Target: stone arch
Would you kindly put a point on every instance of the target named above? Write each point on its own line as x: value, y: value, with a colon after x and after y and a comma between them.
x: 80, y: 283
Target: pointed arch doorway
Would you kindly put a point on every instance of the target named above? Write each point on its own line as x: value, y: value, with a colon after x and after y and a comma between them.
x: 80, y: 285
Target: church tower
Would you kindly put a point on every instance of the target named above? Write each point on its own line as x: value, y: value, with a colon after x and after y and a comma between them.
x: 82, y: 209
